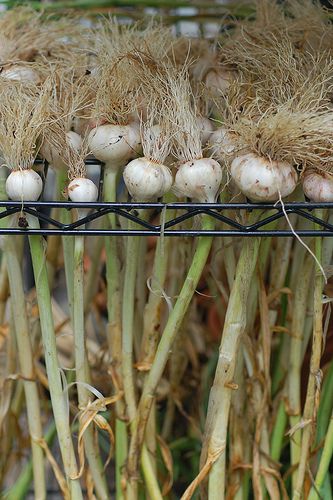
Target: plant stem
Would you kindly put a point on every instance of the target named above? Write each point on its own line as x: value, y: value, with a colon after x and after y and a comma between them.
x: 221, y: 391
x: 114, y: 328
x: 19, y: 490
x: 278, y: 432
x: 296, y: 359
x: 26, y: 360
x: 165, y: 345
x: 152, y: 312
x: 314, y: 381
x: 82, y: 369
x: 59, y: 404
x: 324, y: 463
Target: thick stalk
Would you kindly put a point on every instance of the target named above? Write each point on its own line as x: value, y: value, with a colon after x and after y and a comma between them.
x: 26, y: 360
x: 324, y: 464
x: 314, y: 381
x: 92, y: 281
x: 59, y: 404
x: 114, y: 328
x: 279, y: 431
x: 296, y: 359
x: 8, y: 391
x: 238, y: 430
x: 220, y: 395
x: 153, y: 309
x: 82, y: 369
x: 131, y: 265
x: 165, y: 345
x: 19, y: 490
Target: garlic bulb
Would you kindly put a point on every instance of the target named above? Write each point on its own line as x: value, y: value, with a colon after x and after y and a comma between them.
x: 24, y: 185
x: 52, y: 156
x: 261, y: 179
x: 219, y: 80
x: 318, y: 186
x: 21, y: 74
x: 114, y: 144
x: 147, y: 180
x: 82, y: 189
x: 206, y: 128
x: 222, y: 142
x: 199, y: 180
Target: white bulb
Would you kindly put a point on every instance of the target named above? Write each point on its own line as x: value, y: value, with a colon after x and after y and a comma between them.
x: 206, y: 128
x: 147, y: 180
x: 199, y: 180
x: 24, y: 185
x: 82, y: 190
x: 52, y: 156
x: 21, y: 74
x: 114, y: 144
x: 318, y: 186
x: 222, y: 142
x: 261, y: 179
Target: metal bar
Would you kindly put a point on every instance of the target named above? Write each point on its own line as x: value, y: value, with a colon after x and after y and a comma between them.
x: 130, y: 211
x: 176, y: 232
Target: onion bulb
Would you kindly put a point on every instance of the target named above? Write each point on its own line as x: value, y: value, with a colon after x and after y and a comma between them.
x: 199, y: 179
x: 52, y: 156
x: 82, y: 189
x: 114, y: 144
x: 318, y: 186
x: 24, y: 185
x: 261, y: 179
x: 206, y: 128
x: 222, y: 142
x: 146, y: 179
x: 21, y: 74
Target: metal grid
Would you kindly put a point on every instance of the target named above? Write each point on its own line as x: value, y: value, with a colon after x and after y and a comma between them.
x: 226, y: 215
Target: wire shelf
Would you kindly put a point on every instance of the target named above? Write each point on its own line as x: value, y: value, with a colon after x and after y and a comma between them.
x: 230, y: 218
x: 185, y: 212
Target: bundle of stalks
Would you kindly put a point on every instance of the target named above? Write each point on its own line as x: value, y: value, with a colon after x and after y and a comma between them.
x: 165, y: 367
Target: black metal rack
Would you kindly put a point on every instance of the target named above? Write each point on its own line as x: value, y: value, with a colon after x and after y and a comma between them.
x: 185, y: 211
x: 220, y: 212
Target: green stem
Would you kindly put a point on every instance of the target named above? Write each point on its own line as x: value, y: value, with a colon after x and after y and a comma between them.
x: 20, y: 489
x: 324, y: 464
x: 279, y: 431
x: 131, y: 263
x: 165, y: 345
x: 326, y: 405
x: 82, y: 369
x: 152, y: 312
x: 214, y: 447
x: 149, y: 474
x: 313, y: 388
x: 296, y: 359
x: 114, y: 328
x: 26, y: 359
x: 59, y: 404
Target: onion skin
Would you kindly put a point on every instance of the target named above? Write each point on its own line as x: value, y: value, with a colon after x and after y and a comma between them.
x: 261, y: 179
x: 222, y: 142
x: 318, y: 186
x: 24, y: 185
x: 219, y: 80
x: 147, y: 180
x: 114, y: 144
x: 206, y: 129
x: 199, y: 180
x: 82, y: 190
x: 74, y: 140
x: 21, y: 74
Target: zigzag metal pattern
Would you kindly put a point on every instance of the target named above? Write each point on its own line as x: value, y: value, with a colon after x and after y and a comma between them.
x: 185, y: 212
